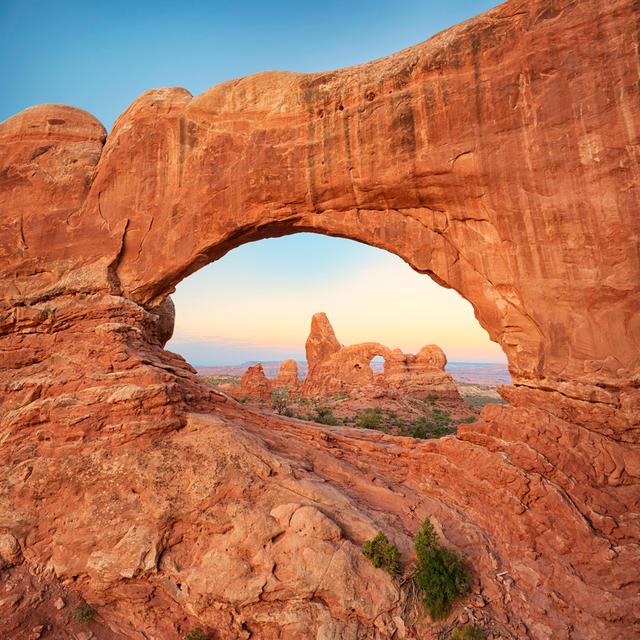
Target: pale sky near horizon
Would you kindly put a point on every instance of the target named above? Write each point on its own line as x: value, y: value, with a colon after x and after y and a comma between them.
x: 256, y: 302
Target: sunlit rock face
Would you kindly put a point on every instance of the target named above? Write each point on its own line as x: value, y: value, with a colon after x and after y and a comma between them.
x: 501, y: 158
x: 255, y: 384
x: 287, y: 376
x: 333, y: 368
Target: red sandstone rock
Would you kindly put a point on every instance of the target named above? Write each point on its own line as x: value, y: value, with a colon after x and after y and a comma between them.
x: 499, y: 157
x: 322, y: 341
x: 347, y: 369
x: 254, y: 384
x: 287, y: 375
x: 9, y: 550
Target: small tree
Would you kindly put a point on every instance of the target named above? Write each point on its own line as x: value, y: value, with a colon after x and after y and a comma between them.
x: 196, y: 634
x: 280, y: 402
x: 382, y: 553
x: 440, y: 573
x: 370, y: 419
x: 324, y: 415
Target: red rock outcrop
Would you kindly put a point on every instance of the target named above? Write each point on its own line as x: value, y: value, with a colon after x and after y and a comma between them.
x: 321, y: 342
x: 254, y: 384
x: 287, y: 376
x: 499, y: 157
x: 336, y: 369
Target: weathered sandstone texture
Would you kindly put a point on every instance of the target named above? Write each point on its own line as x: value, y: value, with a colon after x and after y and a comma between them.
x: 287, y: 376
x: 499, y: 157
x: 334, y: 368
x: 254, y: 384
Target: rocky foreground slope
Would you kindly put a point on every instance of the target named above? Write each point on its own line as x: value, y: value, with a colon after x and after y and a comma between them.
x: 500, y: 158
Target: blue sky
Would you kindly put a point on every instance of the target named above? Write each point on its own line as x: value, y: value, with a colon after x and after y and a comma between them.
x: 100, y: 56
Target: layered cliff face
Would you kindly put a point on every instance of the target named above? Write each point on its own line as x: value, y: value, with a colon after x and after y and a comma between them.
x: 501, y: 158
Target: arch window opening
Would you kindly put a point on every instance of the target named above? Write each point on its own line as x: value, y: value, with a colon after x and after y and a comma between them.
x: 377, y: 364
x: 337, y: 332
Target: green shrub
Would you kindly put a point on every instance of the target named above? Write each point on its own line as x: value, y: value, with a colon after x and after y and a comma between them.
x: 480, y: 401
x: 393, y: 419
x: 196, y: 634
x: 84, y: 612
x: 440, y: 417
x: 426, y: 428
x: 440, y: 574
x: 471, y: 631
x: 382, y: 553
x: 280, y: 402
x: 324, y: 415
x: 370, y: 419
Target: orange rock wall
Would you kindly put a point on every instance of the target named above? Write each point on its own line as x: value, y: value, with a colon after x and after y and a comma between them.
x: 501, y: 158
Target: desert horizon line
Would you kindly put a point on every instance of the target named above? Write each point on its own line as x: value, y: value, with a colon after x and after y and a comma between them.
x: 301, y: 359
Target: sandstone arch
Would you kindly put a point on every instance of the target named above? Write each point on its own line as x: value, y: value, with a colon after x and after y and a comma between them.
x: 500, y: 157
x: 336, y: 369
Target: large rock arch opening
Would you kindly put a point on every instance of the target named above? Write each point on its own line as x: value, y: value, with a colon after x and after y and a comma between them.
x: 499, y: 157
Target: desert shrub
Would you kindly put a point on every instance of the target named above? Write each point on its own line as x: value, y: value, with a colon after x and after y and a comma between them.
x: 440, y: 574
x: 480, y: 401
x: 393, y: 418
x: 324, y: 415
x: 382, y: 553
x: 196, y: 634
x: 370, y: 419
x: 471, y: 631
x: 222, y: 379
x: 280, y: 402
x: 435, y: 423
x: 426, y: 428
x: 467, y: 420
x: 84, y: 612
x: 341, y: 395
x: 431, y: 398
x: 440, y: 417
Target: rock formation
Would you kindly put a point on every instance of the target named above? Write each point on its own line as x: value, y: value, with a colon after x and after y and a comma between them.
x: 335, y: 369
x: 499, y: 157
x: 321, y: 342
x: 254, y: 384
x: 287, y: 376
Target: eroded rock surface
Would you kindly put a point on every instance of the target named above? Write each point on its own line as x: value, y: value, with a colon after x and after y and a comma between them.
x: 254, y: 384
x: 287, y: 376
x: 334, y: 368
x: 501, y: 158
